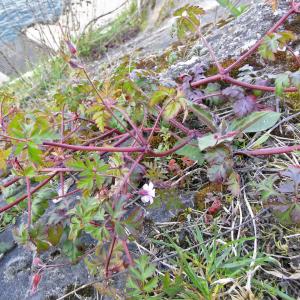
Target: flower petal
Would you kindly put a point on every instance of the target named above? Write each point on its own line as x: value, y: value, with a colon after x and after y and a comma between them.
x: 146, y: 199
x: 151, y: 186
x: 146, y: 187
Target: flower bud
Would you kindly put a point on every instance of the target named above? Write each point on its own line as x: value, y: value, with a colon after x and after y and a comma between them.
x: 75, y: 64
x: 35, y: 282
x: 71, y: 47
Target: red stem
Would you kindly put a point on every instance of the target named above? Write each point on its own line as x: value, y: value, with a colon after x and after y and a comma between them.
x: 206, y: 80
x: 229, y: 79
x: 40, y: 185
x: 68, y: 194
x: 168, y: 152
x: 93, y: 148
x: 257, y: 87
x: 62, y: 129
x: 10, y: 182
x: 258, y: 43
x: 111, y: 249
x: 269, y: 151
x: 28, y: 188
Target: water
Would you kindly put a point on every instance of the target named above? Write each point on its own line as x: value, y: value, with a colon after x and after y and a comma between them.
x: 16, y: 15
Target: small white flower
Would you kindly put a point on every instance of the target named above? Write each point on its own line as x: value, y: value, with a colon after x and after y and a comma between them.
x: 148, y: 193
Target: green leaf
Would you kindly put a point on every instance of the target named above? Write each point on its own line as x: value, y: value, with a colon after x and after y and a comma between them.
x: 70, y: 249
x: 192, y: 152
x: 212, y: 140
x: 4, y: 155
x: 269, y: 46
x: 282, y: 81
x: 54, y: 234
x: 34, y: 152
x: 99, y: 118
x: 198, y: 282
x: 187, y: 19
x: 286, y: 37
x: 40, y: 201
x: 151, y: 284
x: 41, y: 245
x: 159, y: 96
x: 266, y: 188
x: 235, y: 10
x: 172, y: 109
x: 255, y: 122
x: 204, y: 116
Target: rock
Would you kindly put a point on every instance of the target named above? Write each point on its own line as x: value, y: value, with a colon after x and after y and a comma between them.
x: 235, y: 37
x: 164, y: 213
x: 16, y: 269
x: 3, y: 78
x: 16, y: 275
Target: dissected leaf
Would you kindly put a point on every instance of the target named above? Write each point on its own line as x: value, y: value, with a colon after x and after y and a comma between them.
x: 282, y: 81
x: 173, y: 108
x: 161, y: 95
x: 269, y: 46
x: 267, y: 189
x: 244, y: 106
x: 187, y: 19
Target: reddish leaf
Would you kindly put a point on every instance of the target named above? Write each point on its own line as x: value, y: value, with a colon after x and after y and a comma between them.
x: 234, y: 93
x: 173, y: 166
x: 244, y: 106
x: 215, y: 207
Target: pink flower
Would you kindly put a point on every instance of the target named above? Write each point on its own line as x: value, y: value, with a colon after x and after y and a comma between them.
x: 148, y: 193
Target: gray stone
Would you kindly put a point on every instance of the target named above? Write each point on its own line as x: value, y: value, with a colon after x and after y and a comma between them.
x: 234, y: 38
x: 166, y: 214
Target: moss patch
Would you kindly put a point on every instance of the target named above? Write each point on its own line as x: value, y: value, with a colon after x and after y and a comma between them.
x: 200, y: 196
x: 293, y: 100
